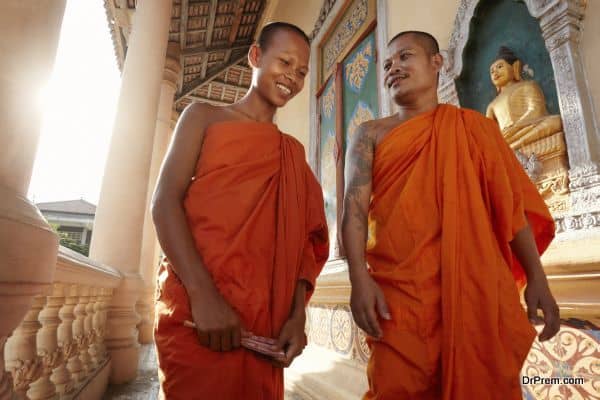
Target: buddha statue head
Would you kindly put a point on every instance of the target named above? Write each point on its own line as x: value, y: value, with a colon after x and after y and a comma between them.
x: 506, y: 69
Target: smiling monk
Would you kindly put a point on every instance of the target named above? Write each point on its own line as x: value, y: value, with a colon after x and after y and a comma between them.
x: 240, y: 217
x: 441, y: 227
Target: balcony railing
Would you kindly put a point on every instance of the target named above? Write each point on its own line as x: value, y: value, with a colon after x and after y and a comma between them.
x: 58, y: 349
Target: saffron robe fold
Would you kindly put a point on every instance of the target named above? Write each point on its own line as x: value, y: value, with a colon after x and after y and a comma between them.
x: 448, y: 197
x: 255, y: 211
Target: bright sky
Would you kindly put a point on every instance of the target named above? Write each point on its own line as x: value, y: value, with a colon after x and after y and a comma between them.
x: 79, y: 108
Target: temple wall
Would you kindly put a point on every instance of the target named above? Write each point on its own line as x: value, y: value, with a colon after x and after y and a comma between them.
x: 292, y: 118
x: 417, y: 15
x: 590, y: 49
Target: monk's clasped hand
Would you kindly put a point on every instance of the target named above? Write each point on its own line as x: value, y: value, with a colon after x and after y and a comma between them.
x: 291, y: 340
x: 218, y: 325
x: 538, y: 296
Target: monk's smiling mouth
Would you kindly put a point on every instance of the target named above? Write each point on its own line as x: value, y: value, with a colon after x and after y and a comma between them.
x: 397, y: 80
x: 284, y: 89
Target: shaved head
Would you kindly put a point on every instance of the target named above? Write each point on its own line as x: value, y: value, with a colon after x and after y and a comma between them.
x: 270, y: 30
x: 425, y: 40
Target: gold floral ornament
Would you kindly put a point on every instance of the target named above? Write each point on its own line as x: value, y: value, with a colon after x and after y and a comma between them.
x: 352, y: 21
x: 357, y: 70
x: 361, y: 113
x: 329, y: 101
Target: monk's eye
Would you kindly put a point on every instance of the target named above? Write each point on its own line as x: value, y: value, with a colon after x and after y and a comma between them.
x: 302, y: 74
x: 284, y: 61
x: 404, y: 56
x: 387, y: 66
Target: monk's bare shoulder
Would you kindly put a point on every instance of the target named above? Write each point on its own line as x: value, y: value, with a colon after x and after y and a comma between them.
x: 196, y: 118
x: 368, y: 135
x: 203, y: 114
x: 382, y: 126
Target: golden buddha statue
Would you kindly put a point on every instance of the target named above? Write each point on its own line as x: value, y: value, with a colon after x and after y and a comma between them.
x: 536, y: 137
x: 520, y: 107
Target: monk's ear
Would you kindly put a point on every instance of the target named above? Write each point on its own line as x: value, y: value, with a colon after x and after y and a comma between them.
x: 254, y: 55
x: 517, y: 69
x: 438, y: 62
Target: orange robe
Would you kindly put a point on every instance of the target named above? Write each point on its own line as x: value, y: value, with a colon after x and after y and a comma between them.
x: 255, y: 211
x: 448, y: 197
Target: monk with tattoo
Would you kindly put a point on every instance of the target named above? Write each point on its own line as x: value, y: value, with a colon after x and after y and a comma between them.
x: 442, y: 227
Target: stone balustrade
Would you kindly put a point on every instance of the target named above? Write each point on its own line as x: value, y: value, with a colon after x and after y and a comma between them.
x: 58, y: 350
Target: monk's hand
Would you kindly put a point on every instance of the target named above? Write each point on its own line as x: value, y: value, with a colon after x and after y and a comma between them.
x: 538, y: 296
x: 367, y: 301
x: 218, y: 325
x: 291, y: 340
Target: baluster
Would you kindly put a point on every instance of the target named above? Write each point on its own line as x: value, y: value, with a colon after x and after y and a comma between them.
x: 21, y: 353
x: 83, y: 330
x: 47, y: 345
x: 74, y: 364
x: 61, y: 377
x: 93, y: 314
x: 106, y: 295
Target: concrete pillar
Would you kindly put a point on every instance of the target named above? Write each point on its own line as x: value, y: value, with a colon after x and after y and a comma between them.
x: 150, y: 247
x: 84, y: 235
x: 29, y: 32
x: 117, y: 237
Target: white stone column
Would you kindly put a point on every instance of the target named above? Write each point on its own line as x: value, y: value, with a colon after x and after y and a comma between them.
x: 118, y: 227
x: 29, y: 31
x: 150, y: 246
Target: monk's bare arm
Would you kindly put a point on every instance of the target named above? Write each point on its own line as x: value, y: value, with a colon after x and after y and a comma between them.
x: 167, y: 202
x: 366, y: 299
x: 524, y: 248
x: 358, y: 177
x: 537, y: 293
x: 217, y: 323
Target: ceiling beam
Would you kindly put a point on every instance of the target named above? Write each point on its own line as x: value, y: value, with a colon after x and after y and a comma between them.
x: 183, y: 24
x: 198, y: 30
x: 211, y: 74
x: 211, y: 21
x: 227, y: 55
x: 237, y: 20
x: 229, y: 85
x: 200, y: 50
x: 204, y: 66
x: 205, y: 100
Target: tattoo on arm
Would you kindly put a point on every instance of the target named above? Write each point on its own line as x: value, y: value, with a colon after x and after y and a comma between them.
x: 359, y: 163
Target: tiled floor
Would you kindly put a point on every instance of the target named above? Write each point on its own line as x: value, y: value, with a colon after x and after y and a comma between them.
x: 145, y: 386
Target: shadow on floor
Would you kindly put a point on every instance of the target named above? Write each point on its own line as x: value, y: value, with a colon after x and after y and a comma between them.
x: 145, y: 385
